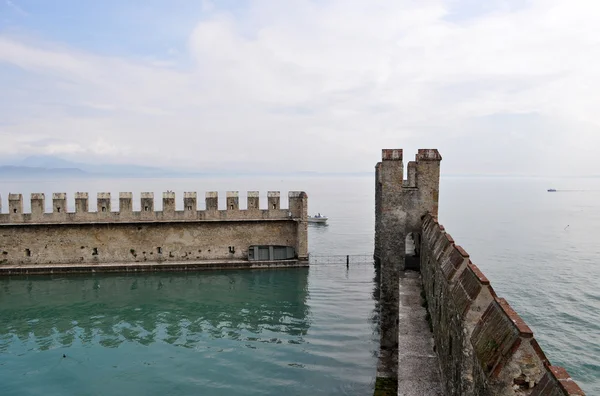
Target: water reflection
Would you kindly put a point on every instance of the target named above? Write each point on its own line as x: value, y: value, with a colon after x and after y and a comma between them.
x: 182, y: 309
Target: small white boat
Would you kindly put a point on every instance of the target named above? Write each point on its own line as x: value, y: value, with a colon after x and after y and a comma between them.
x: 318, y: 218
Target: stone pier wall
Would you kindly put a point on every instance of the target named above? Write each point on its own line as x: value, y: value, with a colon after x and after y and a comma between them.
x: 127, y: 236
x: 483, y: 345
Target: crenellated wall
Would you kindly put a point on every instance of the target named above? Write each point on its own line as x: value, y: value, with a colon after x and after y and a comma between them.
x: 483, y: 345
x: 127, y: 236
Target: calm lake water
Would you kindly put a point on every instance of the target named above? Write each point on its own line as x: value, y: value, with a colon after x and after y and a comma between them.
x: 299, y: 331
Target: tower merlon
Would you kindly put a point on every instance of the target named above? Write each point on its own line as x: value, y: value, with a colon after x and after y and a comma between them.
x: 428, y: 155
x: 297, y: 194
x: 391, y: 155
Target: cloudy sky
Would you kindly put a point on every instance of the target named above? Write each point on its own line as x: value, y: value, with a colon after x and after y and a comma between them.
x: 498, y: 86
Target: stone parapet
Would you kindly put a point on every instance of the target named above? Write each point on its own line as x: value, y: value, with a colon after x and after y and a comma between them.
x: 484, y: 346
x: 106, y: 213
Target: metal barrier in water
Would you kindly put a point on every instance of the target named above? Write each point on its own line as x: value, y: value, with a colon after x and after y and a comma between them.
x: 347, y: 259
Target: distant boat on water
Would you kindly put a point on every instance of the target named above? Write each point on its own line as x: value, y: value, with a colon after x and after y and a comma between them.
x: 551, y: 190
x: 318, y: 218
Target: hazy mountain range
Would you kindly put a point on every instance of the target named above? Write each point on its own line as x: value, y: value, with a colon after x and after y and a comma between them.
x: 47, y: 165
x: 54, y: 166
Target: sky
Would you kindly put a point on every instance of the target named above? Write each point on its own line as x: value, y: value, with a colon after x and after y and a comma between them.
x: 500, y: 87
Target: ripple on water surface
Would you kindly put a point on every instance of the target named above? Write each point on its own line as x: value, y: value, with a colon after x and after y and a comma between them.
x: 235, y: 332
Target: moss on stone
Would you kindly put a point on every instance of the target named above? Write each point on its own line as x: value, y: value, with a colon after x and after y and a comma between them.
x: 385, y: 386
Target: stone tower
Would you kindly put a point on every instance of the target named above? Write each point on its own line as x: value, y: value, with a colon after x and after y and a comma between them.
x: 400, y: 206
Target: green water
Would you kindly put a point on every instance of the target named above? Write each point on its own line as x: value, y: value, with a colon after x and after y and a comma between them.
x: 298, y: 331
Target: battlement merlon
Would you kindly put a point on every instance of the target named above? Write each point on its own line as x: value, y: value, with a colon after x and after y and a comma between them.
x: 59, y: 202
x: 233, y: 200
x: 298, y: 208
x: 147, y: 202
x: 298, y: 205
x: 190, y: 202
x: 212, y: 200
x: 274, y: 200
x: 81, y: 202
x: 38, y: 205
x: 253, y: 200
x: 103, y: 202
x: 125, y: 203
x: 168, y: 199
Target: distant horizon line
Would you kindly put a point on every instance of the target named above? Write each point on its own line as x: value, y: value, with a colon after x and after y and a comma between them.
x: 12, y: 172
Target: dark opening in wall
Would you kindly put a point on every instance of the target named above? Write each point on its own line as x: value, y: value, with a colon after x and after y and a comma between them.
x: 231, y: 207
x: 189, y: 208
x: 104, y: 208
x: 274, y: 206
x: 94, y: 251
x: 58, y: 209
x: 159, y: 250
x: 145, y: 208
x: 412, y: 259
x: 15, y: 210
x: 27, y: 253
x: 231, y: 249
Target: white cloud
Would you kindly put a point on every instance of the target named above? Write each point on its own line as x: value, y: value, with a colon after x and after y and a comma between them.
x: 324, y: 86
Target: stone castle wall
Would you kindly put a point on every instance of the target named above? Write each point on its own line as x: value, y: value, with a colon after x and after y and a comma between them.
x: 127, y: 236
x: 483, y: 345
